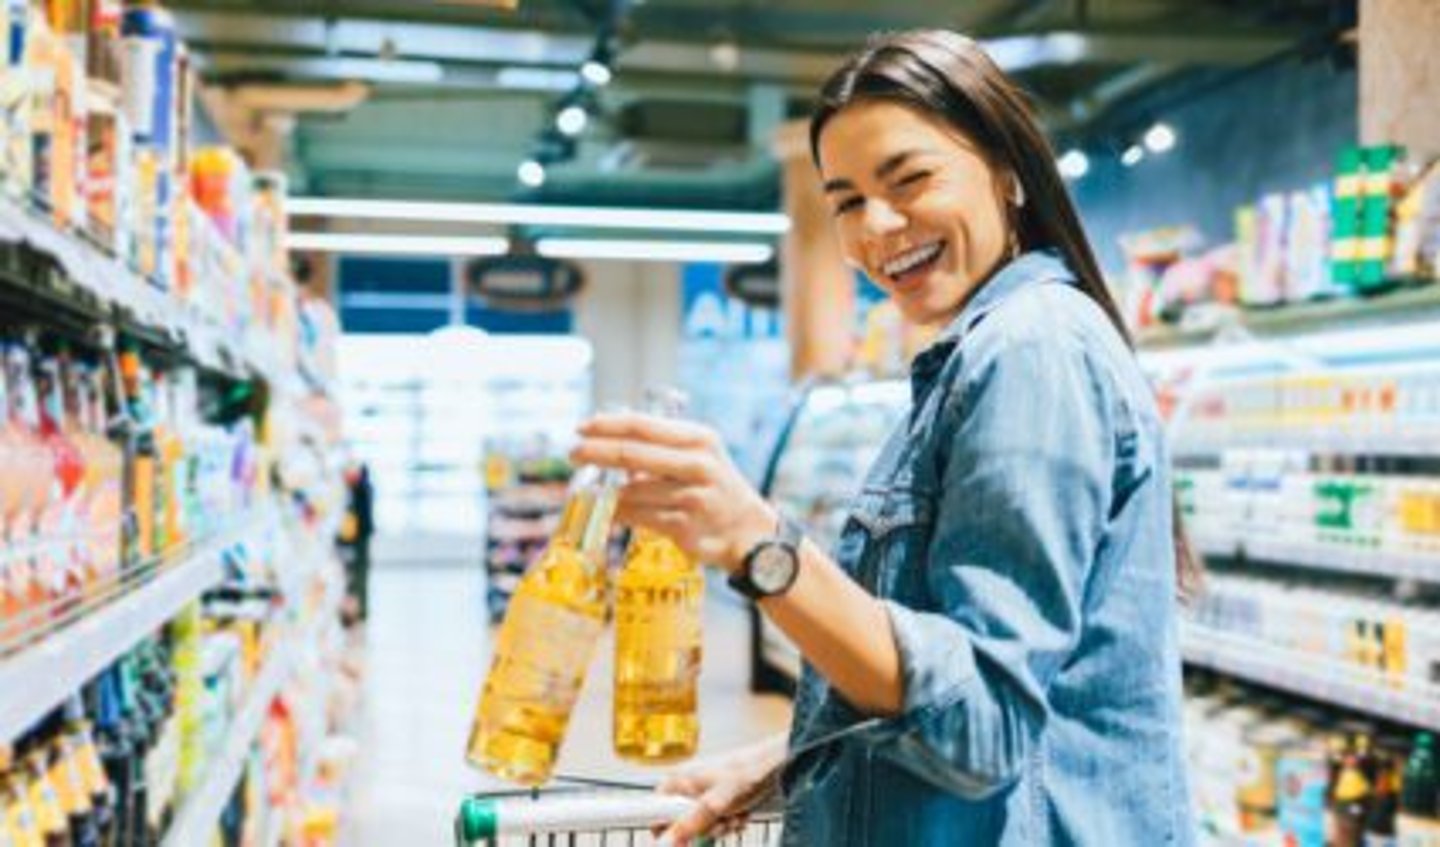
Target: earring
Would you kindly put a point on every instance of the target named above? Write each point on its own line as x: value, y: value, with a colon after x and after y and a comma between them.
x: 1019, y: 195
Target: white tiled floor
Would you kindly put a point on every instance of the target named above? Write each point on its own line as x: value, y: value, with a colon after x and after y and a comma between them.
x: 428, y: 647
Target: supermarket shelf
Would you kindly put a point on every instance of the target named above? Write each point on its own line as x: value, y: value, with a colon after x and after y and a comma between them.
x: 1405, y: 305
x: 1327, y: 557
x: 274, y: 830
x: 196, y: 820
x: 1313, y: 677
x: 38, y: 678
x: 200, y: 814
x: 109, y: 290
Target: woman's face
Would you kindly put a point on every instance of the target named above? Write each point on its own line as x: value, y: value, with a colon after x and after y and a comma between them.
x: 916, y: 207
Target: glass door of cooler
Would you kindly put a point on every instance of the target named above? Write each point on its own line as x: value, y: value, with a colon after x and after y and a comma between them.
x: 817, y: 465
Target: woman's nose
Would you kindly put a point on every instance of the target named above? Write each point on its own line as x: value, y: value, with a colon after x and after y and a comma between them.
x: 882, y: 219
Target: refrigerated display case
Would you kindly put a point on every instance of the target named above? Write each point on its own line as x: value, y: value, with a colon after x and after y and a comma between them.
x: 820, y: 457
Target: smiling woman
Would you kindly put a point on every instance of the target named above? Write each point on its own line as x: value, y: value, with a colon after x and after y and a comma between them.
x: 990, y: 648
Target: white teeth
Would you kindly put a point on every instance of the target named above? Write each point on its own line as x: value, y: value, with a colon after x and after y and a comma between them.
x: 911, y: 259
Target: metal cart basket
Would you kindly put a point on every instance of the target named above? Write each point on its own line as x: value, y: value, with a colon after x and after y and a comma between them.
x: 587, y: 816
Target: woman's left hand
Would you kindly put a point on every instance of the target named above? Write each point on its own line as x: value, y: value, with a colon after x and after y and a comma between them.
x: 682, y: 484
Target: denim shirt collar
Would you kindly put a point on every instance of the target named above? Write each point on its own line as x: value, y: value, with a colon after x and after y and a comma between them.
x: 1034, y: 266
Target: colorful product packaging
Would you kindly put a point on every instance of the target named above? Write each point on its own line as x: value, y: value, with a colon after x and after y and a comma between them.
x: 1345, y: 218
x: 16, y: 164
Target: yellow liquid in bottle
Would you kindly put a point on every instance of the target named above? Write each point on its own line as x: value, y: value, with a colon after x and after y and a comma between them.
x: 551, y: 626
x: 658, y: 600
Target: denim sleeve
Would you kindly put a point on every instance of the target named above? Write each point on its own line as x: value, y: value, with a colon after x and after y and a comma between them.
x: 1023, y: 508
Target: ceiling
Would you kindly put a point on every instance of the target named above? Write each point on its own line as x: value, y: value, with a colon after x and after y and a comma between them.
x: 442, y: 99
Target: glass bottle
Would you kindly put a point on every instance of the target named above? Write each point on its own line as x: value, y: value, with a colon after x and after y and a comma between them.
x: 1348, y: 809
x: 659, y: 599
x: 546, y: 640
x: 1418, y: 821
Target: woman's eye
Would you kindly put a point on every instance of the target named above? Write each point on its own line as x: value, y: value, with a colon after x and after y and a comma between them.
x: 849, y: 204
x: 911, y: 179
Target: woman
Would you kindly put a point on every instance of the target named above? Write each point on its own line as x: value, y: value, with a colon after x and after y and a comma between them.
x: 991, y: 652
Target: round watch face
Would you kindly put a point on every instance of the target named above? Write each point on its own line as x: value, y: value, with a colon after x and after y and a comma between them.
x: 772, y: 568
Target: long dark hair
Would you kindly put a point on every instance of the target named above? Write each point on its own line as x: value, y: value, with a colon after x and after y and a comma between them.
x: 947, y: 76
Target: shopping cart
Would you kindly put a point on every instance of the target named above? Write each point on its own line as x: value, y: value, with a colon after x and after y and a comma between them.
x: 589, y: 815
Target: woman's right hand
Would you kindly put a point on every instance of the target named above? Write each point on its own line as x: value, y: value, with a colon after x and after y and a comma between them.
x: 726, y: 789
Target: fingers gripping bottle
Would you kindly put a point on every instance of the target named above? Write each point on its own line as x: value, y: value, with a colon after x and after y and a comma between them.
x: 551, y: 626
x: 659, y: 597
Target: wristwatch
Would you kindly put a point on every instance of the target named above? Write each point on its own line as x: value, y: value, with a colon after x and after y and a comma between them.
x: 771, y: 565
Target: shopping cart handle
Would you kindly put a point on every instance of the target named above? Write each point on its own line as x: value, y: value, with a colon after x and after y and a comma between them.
x: 489, y: 817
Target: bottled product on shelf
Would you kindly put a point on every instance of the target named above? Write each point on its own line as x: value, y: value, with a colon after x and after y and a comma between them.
x: 1398, y: 643
x: 1333, y: 468
x: 659, y: 599
x: 1373, y: 227
x: 545, y: 643
x: 1268, y: 770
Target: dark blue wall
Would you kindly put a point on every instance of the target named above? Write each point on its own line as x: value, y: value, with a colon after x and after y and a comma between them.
x: 1278, y: 129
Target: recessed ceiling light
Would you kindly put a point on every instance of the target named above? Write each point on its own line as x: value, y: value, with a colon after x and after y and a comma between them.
x: 1074, y: 164
x: 1132, y: 155
x: 596, y: 73
x: 1159, y: 138
x: 531, y: 173
x: 571, y: 120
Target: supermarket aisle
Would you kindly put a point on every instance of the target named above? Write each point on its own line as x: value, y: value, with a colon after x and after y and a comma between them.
x: 428, y: 648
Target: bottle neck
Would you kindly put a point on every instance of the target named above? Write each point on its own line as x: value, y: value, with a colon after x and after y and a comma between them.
x: 589, y: 511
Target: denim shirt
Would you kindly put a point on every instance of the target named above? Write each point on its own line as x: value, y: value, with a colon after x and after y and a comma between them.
x: 1017, y: 526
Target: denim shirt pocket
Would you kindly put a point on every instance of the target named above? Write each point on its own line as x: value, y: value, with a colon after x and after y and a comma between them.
x: 892, y: 528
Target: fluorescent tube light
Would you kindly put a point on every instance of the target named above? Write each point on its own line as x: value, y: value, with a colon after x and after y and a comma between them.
x: 683, y: 220
x: 654, y: 251
x: 409, y: 245
x: 536, y: 79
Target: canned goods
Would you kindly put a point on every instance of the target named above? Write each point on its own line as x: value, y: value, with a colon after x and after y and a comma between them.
x: 1257, y: 793
x: 1302, y: 774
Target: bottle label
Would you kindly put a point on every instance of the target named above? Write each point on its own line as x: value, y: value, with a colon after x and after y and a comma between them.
x: 547, y: 648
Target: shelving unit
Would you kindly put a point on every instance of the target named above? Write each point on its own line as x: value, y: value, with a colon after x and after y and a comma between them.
x: 1325, y: 557
x: 85, y: 282
x: 1392, y: 308
x: 1305, y: 675
x: 200, y: 813
x: 38, y: 678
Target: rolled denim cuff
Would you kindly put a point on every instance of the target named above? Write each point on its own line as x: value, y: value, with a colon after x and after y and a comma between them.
x: 936, y: 661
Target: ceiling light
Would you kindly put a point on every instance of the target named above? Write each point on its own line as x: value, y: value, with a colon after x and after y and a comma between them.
x: 596, y: 73
x: 428, y: 245
x: 1074, y: 164
x: 531, y: 173
x: 1159, y: 138
x: 571, y: 120
x: 685, y: 220
x: 1132, y: 155
x: 403, y: 71
x: 655, y: 251
x: 725, y: 55
x: 535, y: 79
